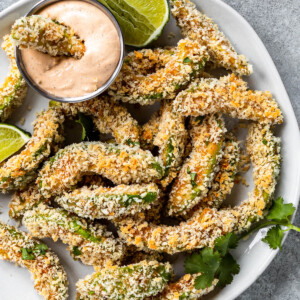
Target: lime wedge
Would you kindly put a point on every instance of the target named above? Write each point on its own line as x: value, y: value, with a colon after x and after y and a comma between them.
x: 141, y: 21
x: 12, y: 139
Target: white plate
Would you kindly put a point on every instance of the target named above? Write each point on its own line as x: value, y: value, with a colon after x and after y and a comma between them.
x: 253, y: 255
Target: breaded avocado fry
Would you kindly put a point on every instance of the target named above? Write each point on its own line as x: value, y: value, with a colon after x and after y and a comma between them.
x: 109, y: 117
x: 18, y: 171
x: 137, y: 281
x: 186, y: 63
x: 119, y: 163
x: 197, y: 26
x: 93, y: 245
x: 184, y: 289
x: 171, y: 139
x: 229, y: 95
x: 14, y: 88
x: 48, y: 36
x: 50, y: 279
x: 197, y: 173
x: 109, y: 202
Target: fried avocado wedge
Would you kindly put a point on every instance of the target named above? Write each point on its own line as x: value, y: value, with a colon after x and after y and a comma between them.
x: 109, y: 202
x: 199, y: 169
x: 136, y: 281
x: 14, y: 88
x: 119, y: 163
x: 224, y: 179
x: 229, y: 95
x: 18, y: 171
x: 171, y: 139
x: 204, y: 228
x: 197, y: 26
x: 48, y: 36
x: 184, y: 289
x: 50, y: 279
x: 109, y: 117
x: 188, y: 60
x: 23, y: 201
x: 93, y: 245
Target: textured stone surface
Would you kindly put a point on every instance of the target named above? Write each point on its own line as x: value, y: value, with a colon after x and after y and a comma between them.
x: 277, y: 24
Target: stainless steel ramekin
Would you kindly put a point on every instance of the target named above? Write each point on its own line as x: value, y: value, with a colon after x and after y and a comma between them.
x: 38, y: 7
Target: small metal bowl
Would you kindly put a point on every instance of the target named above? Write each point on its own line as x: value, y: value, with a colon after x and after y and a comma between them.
x: 38, y: 7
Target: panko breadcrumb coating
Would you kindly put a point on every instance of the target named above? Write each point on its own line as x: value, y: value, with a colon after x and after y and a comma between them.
x: 149, y: 130
x: 204, y: 229
x: 184, y: 289
x: 109, y: 202
x: 197, y: 26
x: 187, y: 61
x: 198, y: 171
x: 171, y: 139
x: 14, y: 88
x: 93, y: 245
x: 19, y: 170
x: 23, y: 201
x: 224, y: 179
x: 229, y: 95
x: 48, y: 36
x: 132, y: 282
x: 50, y: 279
x: 119, y: 163
x: 145, y: 61
x: 109, y: 117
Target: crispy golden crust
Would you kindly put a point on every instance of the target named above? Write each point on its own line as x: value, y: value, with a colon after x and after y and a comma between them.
x: 93, y: 245
x: 229, y: 95
x: 187, y: 61
x: 149, y: 130
x: 197, y: 173
x: 224, y: 179
x: 119, y: 163
x: 110, y: 202
x: 48, y: 36
x: 171, y: 139
x: 137, y: 281
x: 14, y: 88
x: 18, y: 171
x: 184, y: 289
x: 197, y: 26
x: 50, y: 279
x: 203, y: 230
x: 109, y: 117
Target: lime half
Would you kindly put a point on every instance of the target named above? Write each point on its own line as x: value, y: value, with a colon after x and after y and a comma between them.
x: 141, y: 21
x: 12, y: 139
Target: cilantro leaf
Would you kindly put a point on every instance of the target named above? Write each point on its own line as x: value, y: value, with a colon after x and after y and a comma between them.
x: 274, y: 237
x: 76, y: 251
x: 227, y: 269
x: 27, y: 254
x: 203, y: 281
x: 226, y: 242
x: 88, y: 132
x: 187, y: 60
x: 40, y: 249
x: 205, y: 262
x: 280, y: 211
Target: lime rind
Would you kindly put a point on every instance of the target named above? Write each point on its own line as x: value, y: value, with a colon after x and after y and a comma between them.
x: 12, y: 139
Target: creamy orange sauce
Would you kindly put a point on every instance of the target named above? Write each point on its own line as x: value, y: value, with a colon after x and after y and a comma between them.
x: 69, y: 77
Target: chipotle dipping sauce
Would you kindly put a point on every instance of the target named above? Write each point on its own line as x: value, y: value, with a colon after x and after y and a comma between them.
x: 67, y: 76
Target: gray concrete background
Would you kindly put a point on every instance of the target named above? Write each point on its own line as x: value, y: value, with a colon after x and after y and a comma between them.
x: 277, y: 22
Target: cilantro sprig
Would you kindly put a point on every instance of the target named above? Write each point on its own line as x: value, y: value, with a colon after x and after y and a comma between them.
x: 218, y: 263
x: 279, y: 218
x: 214, y: 263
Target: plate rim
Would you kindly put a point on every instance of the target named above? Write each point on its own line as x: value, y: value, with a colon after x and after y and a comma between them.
x: 291, y: 115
